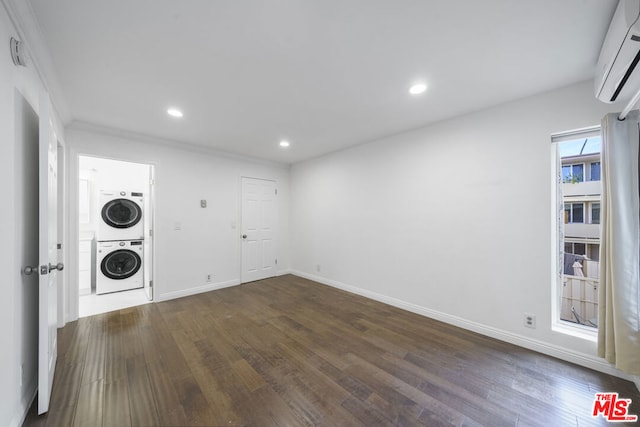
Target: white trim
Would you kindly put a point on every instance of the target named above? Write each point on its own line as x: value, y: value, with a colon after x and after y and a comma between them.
x: 196, y: 290
x: 63, y: 234
x: 575, y: 133
x: 558, y: 325
x: 562, y: 353
x: 72, y: 251
x: 73, y: 233
x: 194, y: 148
x: 28, y: 29
x: 23, y: 407
x: 206, y: 288
x: 578, y: 331
x: 556, y: 264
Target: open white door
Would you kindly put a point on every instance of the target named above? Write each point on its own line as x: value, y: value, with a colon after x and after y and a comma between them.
x: 48, y: 254
x: 258, y: 229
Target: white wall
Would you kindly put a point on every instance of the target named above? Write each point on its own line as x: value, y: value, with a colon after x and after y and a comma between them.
x: 207, y: 243
x: 19, y: 98
x: 452, y: 220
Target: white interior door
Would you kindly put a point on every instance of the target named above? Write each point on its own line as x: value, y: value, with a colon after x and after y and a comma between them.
x: 48, y: 254
x: 258, y: 229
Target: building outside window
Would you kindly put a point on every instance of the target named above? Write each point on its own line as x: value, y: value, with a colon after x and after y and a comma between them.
x: 595, y: 213
x: 595, y: 171
x: 579, y: 196
x: 573, y: 213
x: 573, y: 173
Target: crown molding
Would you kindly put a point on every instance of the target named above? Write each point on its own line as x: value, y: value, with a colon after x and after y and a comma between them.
x: 82, y: 126
x: 23, y: 19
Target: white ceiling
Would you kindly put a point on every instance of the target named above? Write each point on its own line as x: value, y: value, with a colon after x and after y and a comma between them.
x: 324, y: 74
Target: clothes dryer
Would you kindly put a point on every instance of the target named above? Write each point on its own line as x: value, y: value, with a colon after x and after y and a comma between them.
x: 119, y: 266
x: 120, y: 216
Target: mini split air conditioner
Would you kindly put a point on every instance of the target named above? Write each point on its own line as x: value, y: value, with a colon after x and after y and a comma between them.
x: 618, y: 72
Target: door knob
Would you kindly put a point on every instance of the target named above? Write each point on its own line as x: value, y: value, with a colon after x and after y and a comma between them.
x: 59, y: 266
x: 244, y: 236
x: 29, y: 270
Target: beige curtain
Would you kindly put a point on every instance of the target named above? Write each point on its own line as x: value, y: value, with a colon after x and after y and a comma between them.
x: 619, y: 292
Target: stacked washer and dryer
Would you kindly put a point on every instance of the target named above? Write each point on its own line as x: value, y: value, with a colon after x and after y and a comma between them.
x: 120, y: 242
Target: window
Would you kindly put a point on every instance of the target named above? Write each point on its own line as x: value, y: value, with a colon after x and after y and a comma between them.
x: 595, y: 171
x: 579, y: 249
x: 573, y: 173
x: 576, y: 159
x: 595, y: 213
x: 575, y: 248
x: 573, y: 213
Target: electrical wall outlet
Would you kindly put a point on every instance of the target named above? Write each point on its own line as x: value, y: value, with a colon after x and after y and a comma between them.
x: 530, y: 320
x: 208, y: 277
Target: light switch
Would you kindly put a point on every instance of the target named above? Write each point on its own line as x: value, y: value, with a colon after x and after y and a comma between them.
x: 203, y: 203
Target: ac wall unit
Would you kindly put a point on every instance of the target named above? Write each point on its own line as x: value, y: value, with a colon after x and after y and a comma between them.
x: 618, y: 72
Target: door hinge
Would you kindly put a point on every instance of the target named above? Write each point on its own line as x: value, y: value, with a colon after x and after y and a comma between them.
x: 150, y: 233
x: 151, y: 283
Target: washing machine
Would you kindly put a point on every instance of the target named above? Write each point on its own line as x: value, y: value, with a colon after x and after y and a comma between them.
x: 120, y: 216
x: 119, y: 265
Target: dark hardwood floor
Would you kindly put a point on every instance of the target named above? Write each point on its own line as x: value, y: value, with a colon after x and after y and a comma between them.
x: 291, y: 352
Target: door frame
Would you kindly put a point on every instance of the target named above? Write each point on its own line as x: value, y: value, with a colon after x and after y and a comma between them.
x: 63, y: 250
x: 73, y: 225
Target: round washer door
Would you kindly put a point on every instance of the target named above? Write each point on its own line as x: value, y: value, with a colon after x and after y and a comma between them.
x: 120, y: 264
x: 121, y: 213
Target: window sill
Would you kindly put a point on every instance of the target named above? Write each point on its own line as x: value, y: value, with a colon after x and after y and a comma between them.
x: 578, y: 331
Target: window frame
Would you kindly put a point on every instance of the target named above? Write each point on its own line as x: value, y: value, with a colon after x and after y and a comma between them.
x: 591, y: 206
x: 572, y: 204
x: 557, y: 215
x: 571, y: 165
x: 599, y: 163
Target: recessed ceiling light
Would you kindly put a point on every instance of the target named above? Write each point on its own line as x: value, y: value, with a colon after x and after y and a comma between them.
x: 174, y: 112
x: 417, y: 88
x: 284, y: 144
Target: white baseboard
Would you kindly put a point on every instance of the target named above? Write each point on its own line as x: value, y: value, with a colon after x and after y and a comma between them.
x: 197, y: 290
x: 25, y: 404
x: 582, y: 359
x: 284, y: 272
x: 208, y: 287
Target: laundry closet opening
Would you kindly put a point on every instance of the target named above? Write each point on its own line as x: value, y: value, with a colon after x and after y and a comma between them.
x: 115, y: 229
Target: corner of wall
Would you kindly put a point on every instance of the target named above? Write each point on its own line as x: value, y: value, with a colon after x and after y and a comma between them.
x: 25, y: 403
